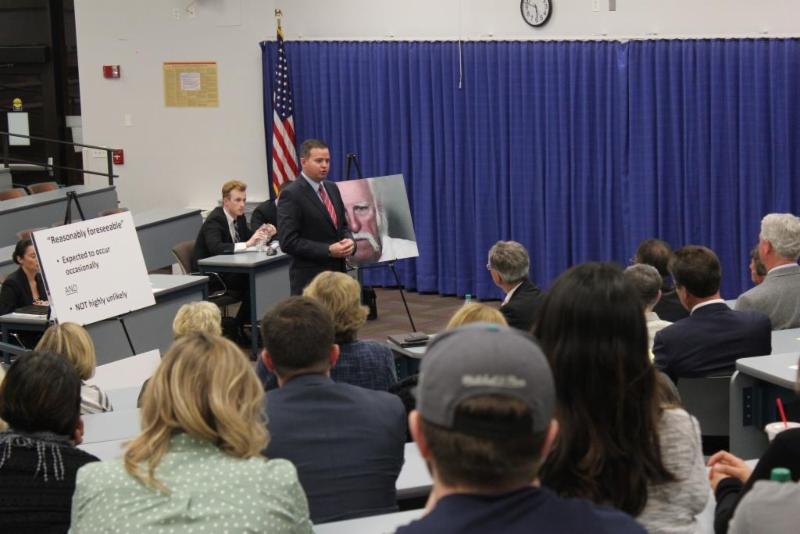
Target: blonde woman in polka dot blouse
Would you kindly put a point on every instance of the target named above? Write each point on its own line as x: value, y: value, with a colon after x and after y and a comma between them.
x: 196, y: 466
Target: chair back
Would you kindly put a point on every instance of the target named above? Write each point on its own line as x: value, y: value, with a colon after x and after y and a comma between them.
x: 41, y: 187
x: 183, y: 253
x: 15, y: 192
x: 708, y: 399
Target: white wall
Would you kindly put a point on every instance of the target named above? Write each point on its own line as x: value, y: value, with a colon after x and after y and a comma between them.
x: 180, y: 156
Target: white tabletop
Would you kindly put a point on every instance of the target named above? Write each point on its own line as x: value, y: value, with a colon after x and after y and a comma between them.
x: 376, y: 524
x: 105, y: 450
x: 778, y: 369
x: 242, y: 259
x: 110, y: 426
x: 414, y: 479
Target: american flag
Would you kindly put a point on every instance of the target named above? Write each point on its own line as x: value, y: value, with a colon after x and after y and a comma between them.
x: 284, y: 156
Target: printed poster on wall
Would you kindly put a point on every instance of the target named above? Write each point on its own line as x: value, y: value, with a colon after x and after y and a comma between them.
x: 191, y: 84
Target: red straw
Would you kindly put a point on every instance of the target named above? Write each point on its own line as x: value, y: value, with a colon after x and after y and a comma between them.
x: 780, y: 410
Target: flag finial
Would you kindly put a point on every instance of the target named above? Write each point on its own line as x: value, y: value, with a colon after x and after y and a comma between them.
x: 278, y: 15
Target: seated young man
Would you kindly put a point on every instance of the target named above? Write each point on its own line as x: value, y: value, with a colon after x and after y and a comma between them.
x: 484, y: 424
x: 713, y: 337
x: 347, y: 442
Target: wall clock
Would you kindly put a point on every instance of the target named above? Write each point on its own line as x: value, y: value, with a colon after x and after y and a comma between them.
x: 535, y: 12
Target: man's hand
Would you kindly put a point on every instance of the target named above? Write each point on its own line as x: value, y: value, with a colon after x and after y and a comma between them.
x: 342, y: 249
x: 259, y: 236
x: 723, y: 465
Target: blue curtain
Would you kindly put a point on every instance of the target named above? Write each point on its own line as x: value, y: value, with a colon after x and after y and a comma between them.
x: 578, y: 150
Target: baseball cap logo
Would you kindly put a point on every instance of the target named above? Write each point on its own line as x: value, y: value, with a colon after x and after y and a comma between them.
x: 497, y: 381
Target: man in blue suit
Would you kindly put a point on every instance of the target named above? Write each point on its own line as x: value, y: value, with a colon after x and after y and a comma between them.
x: 713, y: 337
x: 346, y: 442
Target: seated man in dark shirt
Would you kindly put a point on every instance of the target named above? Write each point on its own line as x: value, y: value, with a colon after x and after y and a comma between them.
x: 484, y: 424
x: 347, y: 442
x: 713, y: 337
x: 509, y: 265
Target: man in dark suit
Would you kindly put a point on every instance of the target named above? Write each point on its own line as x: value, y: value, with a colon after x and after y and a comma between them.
x: 311, y: 220
x: 713, y: 337
x: 509, y: 265
x: 346, y: 442
x: 225, y: 231
x: 657, y: 253
x: 267, y: 211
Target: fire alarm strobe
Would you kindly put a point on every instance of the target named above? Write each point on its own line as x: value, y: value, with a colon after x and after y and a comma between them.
x: 110, y: 71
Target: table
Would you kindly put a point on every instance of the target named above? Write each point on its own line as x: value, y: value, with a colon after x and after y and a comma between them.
x: 414, y: 479
x: 370, y: 525
x: 269, y: 280
x: 149, y: 328
x: 110, y: 426
x: 42, y: 210
x: 5, y: 178
x: 785, y: 341
x: 755, y: 385
x: 7, y: 265
x: 160, y: 229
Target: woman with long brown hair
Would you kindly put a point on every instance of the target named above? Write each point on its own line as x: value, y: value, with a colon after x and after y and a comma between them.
x: 620, y: 442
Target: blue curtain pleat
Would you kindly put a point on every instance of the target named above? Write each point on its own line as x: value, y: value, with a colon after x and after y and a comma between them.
x: 578, y: 150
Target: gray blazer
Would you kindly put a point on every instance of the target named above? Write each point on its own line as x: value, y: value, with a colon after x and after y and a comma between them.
x: 778, y: 296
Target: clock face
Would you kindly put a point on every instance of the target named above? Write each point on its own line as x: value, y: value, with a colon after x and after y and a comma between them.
x: 535, y: 12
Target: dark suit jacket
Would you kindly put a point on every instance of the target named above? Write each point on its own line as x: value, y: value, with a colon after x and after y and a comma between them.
x: 669, y: 308
x: 265, y: 213
x: 523, y: 307
x: 16, y: 291
x: 710, y: 340
x: 346, y: 442
x: 305, y: 231
x: 215, y: 236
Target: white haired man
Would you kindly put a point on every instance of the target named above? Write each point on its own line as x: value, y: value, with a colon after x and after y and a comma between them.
x: 509, y: 265
x: 778, y: 295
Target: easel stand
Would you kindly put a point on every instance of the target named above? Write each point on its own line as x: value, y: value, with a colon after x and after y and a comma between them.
x: 368, y: 296
x: 391, y: 266
x: 72, y: 197
x: 127, y: 335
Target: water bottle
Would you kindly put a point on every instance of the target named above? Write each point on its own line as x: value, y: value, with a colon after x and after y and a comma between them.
x: 780, y: 474
x: 467, y: 298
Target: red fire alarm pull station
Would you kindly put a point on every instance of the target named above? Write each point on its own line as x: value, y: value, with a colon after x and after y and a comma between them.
x: 118, y: 156
x: 110, y: 71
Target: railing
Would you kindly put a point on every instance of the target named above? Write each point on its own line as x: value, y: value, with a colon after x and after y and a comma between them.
x: 8, y: 161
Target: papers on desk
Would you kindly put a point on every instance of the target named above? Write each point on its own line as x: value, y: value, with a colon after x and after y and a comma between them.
x: 19, y: 315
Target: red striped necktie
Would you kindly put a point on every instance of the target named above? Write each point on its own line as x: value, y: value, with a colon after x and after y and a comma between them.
x: 328, y: 204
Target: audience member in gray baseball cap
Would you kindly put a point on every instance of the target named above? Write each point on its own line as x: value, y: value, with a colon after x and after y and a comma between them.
x: 484, y: 421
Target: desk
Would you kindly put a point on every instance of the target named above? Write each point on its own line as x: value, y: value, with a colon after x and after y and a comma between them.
x: 269, y: 280
x: 370, y: 525
x: 754, y: 387
x: 786, y: 341
x: 160, y: 229
x: 110, y: 426
x: 414, y: 479
x: 105, y: 450
x: 7, y: 265
x: 149, y: 328
x: 44, y: 209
